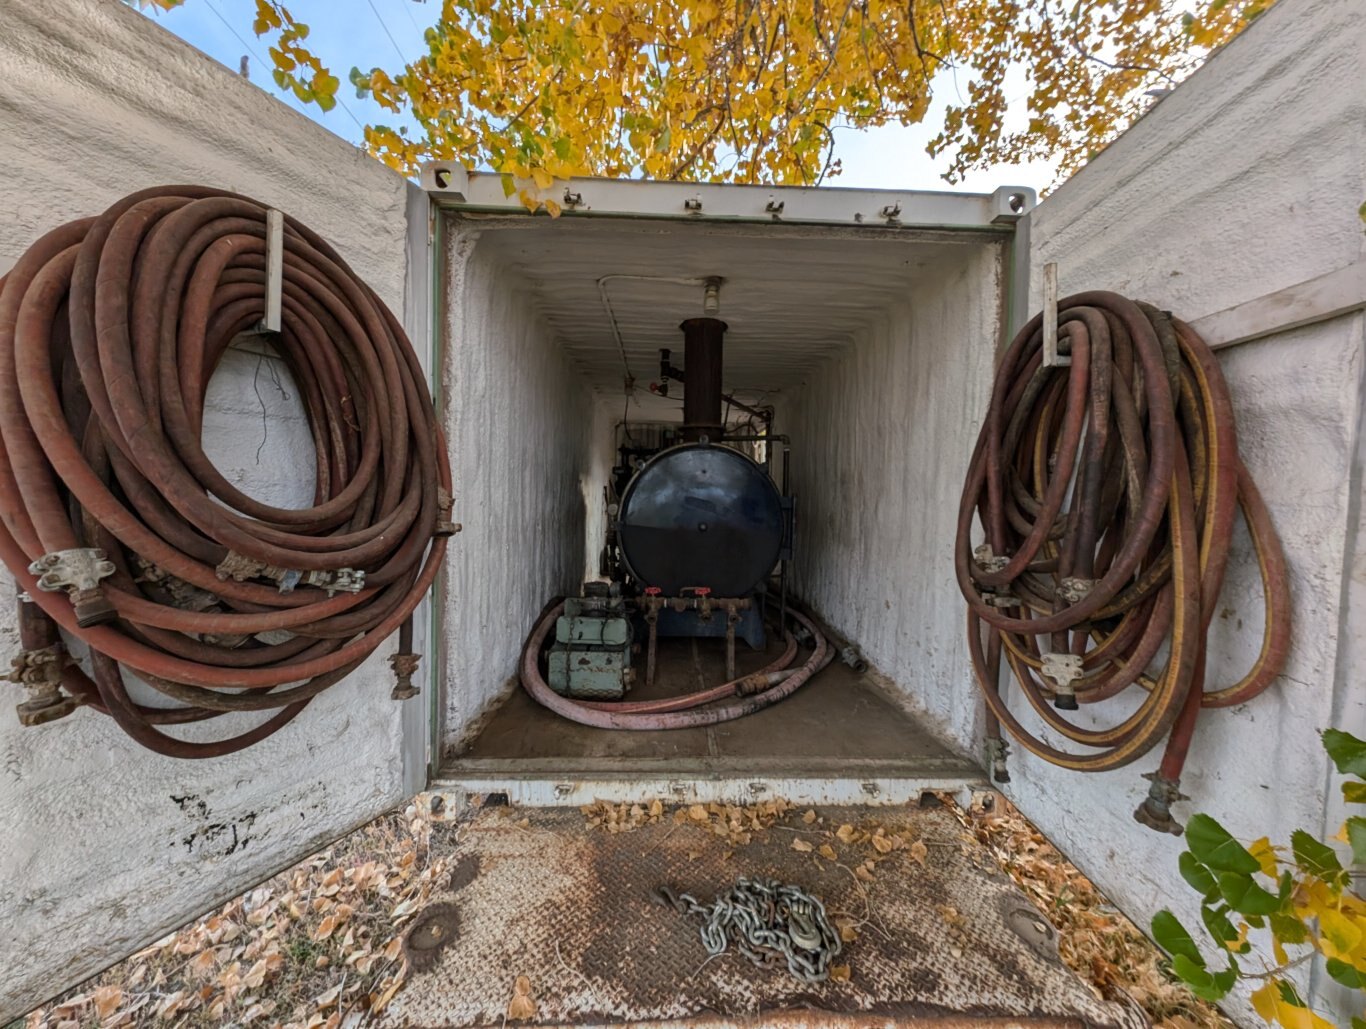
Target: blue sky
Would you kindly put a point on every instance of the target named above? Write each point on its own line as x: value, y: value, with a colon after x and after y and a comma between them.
x: 367, y: 33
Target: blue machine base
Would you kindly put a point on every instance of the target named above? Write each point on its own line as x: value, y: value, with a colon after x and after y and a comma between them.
x: 749, y: 628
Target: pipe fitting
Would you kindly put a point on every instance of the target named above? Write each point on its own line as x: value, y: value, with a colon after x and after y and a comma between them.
x: 38, y: 667
x: 404, y: 666
x: 445, y: 504
x: 850, y: 656
x: 997, y: 752
x: 1156, y: 810
x: 78, y: 571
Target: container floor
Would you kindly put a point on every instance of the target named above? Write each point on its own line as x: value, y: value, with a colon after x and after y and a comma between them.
x: 840, y: 723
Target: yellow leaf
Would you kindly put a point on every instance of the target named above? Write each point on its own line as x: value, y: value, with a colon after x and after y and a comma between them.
x: 809, y: 817
x: 828, y: 852
x: 325, y: 928
x: 845, y: 833
x: 918, y: 851
x: 882, y: 844
x: 542, y: 178
x: 801, y: 845
x: 839, y: 974
x: 1265, y: 855
x: 552, y: 207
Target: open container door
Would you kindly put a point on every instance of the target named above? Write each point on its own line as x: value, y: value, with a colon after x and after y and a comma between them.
x: 108, y: 846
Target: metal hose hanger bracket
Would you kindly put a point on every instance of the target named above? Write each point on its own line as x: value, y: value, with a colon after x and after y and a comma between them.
x: 119, y: 529
x: 1107, y: 489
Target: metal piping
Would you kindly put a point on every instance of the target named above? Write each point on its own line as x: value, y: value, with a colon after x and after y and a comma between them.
x: 703, y: 339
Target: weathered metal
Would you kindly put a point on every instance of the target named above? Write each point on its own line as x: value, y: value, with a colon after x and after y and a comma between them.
x: 950, y: 942
x: 701, y: 517
x: 703, y: 340
x: 591, y: 656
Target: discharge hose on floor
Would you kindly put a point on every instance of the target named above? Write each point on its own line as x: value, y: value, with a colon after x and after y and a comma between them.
x: 721, y: 703
x: 1107, y: 490
x: 118, y: 527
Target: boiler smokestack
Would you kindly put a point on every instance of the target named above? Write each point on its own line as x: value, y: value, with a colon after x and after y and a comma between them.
x: 702, y: 341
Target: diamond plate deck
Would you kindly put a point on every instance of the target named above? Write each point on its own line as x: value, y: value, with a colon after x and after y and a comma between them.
x: 571, y: 909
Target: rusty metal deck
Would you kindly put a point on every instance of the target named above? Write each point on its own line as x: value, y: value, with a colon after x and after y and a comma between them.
x: 540, y: 894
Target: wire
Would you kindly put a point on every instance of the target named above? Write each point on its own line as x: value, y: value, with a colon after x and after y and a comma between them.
x: 380, y: 18
x: 409, y: 13
x: 264, y: 64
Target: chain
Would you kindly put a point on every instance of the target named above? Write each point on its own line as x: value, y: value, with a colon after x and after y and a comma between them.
x: 769, y: 923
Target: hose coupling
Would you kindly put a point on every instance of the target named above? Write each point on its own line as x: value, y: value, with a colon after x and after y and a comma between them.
x: 1063, y: 670
x: 752, y: 684
x: 38, y: 667
x: 404, y: 666
x: 445, y: 504
x: 1073, y: 590
x: 340, y: 580
x: 239, y: 568
x: 78, y: 571
x: 40, y: 673
x: 997, y: 752
x: 988, y: 560
x: 1156, y: 810
x: 1000, y: 597
x: 850, y: 656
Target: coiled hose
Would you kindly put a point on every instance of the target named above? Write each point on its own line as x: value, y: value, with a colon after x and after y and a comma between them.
x: 118, y: 528
x: 723, y: 703
x: 1107, y: 491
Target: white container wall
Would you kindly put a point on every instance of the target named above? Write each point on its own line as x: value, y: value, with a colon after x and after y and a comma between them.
x: 107, y: 845
x: 522, y: 424
x: 881, y: 437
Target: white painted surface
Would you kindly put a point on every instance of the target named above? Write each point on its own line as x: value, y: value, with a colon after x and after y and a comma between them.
x: 1244, y: 181
x: 107, y: 846
x: 880, y: 437
x: 791, y: 297
x: 521, y: 424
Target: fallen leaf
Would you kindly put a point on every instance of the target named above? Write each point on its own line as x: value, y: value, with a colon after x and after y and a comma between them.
x: 882, y: 844
x: 839, y: 974
x: 656, y: 808
x: 801, y: 845
x: 828, y: 852
x: 848, y: 933
x: 809, y: 817
x: 325, y: 928
x: 107, y: 1000
x: 918, y: 851
x: 845, y: 833
x: 326, y: 1000
x: 521, y: 1006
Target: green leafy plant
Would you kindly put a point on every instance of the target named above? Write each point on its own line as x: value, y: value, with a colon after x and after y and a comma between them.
x: 1301, y: 895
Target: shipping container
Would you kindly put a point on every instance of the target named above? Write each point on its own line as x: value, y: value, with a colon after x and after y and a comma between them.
x: 869, y: 321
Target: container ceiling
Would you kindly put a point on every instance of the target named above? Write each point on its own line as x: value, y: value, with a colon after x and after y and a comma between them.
x: 792, y: 297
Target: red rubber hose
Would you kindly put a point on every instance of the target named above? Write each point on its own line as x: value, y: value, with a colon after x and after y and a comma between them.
x: 687, y: 712
x: 110, y: 330
x: 1106, y: 489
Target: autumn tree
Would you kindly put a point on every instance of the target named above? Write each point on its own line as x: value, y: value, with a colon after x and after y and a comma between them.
x: 754, y: 90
